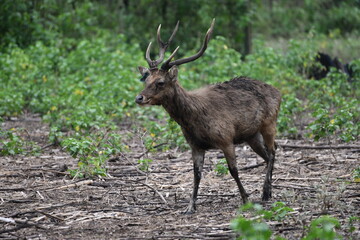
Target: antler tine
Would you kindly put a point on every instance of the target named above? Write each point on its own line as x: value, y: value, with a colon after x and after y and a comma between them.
x: 162, y: 47
x: 173, y: 54
x: 174, y: 32
x: 168, y: 64
x: 147, y: 55
x: 160, y: 42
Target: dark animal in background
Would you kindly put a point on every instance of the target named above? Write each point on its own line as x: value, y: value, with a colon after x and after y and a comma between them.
x: 327, y: 62
x: 216, y: 116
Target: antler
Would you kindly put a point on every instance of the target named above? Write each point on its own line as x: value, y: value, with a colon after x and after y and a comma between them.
x: 167, y: 64
x: 162, y: 47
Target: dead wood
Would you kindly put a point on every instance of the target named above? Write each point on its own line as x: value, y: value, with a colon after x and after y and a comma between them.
x: 12, y: 189
x: 320, y: 146
x: 20, y: 224
x: 252, y: 166
x: 152, y: 188
x: 86, y: 182
x: 50, y: 215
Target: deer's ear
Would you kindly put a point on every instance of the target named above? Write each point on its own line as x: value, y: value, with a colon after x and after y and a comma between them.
x: 173, y: 72
x: 142, y: 70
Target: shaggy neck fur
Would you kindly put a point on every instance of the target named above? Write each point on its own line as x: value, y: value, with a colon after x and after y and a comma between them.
x: 179, y: 104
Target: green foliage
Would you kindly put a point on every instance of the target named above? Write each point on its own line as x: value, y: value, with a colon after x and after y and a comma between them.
x: 11, y: 102
x: 160, y: 135
x: 92, y: 151
x: 251, y: 229
x: 278, y: 212
x: 323, y: 228
x: 144, y: 164
x: 352, y: 221
x: 11, y: 143
x: 254, y: 226
x: 221, y: 167
x: 356, y: 174
x: 334, y: 108
x: 291, y: 107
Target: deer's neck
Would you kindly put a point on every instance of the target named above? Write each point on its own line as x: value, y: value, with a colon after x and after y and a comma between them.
x: 189, y: 110
x: 181, y: 105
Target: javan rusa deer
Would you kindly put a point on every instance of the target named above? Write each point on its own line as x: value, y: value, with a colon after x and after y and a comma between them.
x: 216, y: 116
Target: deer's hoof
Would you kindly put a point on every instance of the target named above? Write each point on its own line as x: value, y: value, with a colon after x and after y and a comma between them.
x: 189, y: 210
x: 266, y: 196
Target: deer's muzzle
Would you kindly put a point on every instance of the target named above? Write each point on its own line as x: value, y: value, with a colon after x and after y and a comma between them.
x: 139, y: 99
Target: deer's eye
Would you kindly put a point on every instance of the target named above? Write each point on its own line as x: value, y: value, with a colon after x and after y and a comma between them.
x: 160, y: 84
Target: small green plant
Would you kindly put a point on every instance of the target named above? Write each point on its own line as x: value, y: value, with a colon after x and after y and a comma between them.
x: 356, y: 174
x: 323, y: 228
x: 253, y: 228
x: 55, y: 135
x: 11, y: 144
x: 144, y: 164
x: 278, y: 212
x: 351, y: 225
x: 92, y: 153
x: 221, y: 167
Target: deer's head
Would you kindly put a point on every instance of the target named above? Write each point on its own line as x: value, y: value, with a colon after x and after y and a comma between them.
x: 159, y: 82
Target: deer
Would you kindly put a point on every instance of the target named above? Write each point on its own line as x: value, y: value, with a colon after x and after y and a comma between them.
x: 217, y: 116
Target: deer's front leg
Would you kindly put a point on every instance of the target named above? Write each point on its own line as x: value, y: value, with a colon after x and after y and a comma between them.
x: 198, y: 161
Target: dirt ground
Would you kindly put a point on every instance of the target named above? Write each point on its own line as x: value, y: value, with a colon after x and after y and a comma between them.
x: 38, y: 199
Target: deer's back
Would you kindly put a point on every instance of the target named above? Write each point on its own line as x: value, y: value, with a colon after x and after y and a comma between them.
x: 233, y: 110
x: 241, y: 95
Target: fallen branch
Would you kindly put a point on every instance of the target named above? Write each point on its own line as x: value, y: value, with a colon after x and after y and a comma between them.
x: 294, y: 187
x: 135, y: 167
x: 156, y: 191
x: 12, y: 189
x: 353, y: 195
x: 86, y: 182
x: 47, y: 146
x: 50, y: 216
x: 20, y: 224
x: 253, y: 166
x: 320, y: 147
x: 7, y: 220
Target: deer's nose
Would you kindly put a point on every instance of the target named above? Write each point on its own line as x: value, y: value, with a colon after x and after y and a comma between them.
x: 139, y: 98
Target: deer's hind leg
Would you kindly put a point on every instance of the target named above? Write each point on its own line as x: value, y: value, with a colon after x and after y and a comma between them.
x: 229, y: 152
x: 264, y: 145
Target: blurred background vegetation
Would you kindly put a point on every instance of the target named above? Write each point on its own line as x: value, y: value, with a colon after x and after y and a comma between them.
x: 24, y: 22
x: 74, y: 64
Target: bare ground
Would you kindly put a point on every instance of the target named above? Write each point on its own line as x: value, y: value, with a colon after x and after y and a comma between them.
x: 38, y: 200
